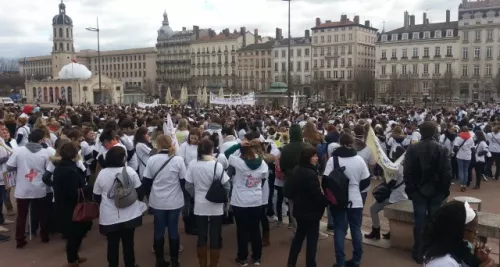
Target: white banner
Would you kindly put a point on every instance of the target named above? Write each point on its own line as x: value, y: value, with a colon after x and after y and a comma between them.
x: 146, y: 105
x: 390, y: 168
x: 248, y: 100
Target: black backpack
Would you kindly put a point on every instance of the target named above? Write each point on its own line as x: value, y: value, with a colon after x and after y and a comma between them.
x: 336, y: 186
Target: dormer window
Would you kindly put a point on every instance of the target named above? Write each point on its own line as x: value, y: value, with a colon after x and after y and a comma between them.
x: 449, y: 33
x: 415, y: 35
x: 394, y: 37
x: 404, y: 36
x: 427, y: 35
x: 437, y: 34
x: 384, y: 38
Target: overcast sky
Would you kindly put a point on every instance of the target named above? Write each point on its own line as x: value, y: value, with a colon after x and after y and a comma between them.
x: 26, y: 25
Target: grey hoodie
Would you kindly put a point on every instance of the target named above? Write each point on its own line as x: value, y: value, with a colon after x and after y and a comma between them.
x: 34, y: 147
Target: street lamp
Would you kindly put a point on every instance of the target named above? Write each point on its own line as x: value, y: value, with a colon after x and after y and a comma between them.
x: 98, y: 57
x: 289, y: 72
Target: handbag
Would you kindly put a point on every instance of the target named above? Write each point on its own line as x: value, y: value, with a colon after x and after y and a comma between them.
x: 382, y: 191
x: 85, y: 211
x: 217, y: 193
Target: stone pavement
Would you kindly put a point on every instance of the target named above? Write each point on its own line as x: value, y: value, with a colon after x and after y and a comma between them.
x: 94, y: 246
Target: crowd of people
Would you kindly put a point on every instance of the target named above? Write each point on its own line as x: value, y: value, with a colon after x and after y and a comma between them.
x: 250, y: 166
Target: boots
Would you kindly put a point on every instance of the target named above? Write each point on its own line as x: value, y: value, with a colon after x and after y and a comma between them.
x: 375, y: 234
x: 266, y: 239
x: 214, y: 257
x: 202, y: 256
x: 174, y: 252
x: 158, y: 247
x: 387, y: 236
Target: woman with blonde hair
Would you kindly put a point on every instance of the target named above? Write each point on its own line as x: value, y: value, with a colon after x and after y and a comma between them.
x: 311, y: 134
x: 182, y: 131
x: 162, y: 180
x: 10, y: 123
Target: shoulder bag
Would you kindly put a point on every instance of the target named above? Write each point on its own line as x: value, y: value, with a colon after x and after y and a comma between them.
x: 85, y: 211
x: 217, y: 193
x: 382, y: 191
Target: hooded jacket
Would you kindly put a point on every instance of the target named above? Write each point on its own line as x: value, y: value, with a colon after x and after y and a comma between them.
x: 290, y: 154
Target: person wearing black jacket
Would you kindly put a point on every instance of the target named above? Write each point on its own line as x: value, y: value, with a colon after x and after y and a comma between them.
x: 304, y: 189
x: 427, y: 175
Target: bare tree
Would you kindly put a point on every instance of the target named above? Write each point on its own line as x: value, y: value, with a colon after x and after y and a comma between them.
x: 364, y: 86
x: 449, y: 83
x: 8, y: 65
x: 150, y: 87
x: 400, y: 86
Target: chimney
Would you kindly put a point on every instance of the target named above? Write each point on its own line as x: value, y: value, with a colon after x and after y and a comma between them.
x: 278, y: 34
x: 256, y: 36
x: 343, y: 18
x: 464, y: 3
x: 318, y: 21
x: 356, y: 19
x: 406, y: 20
x: 281, y: 34
x: 424, y: 21
x: 183, y: 29
x: 448, y: 15
x: 367, y: 23
x: 412, y: 20
x: 243, y: 33
x: 328, y: 21
x: 307, y: 35
x: 196, y: 30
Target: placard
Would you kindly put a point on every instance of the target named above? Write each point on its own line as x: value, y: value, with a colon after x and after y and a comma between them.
x: 9, y: 179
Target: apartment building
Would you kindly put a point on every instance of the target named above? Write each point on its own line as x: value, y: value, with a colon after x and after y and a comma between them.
x: 479, y: 31
x: 417, y: 61
x: 255, y: 68
x: 214, y: 58
x: 300, y: 61
x: 343, y: 56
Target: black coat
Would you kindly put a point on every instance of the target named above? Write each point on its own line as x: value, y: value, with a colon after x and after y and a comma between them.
x: 305, y: 191
x: 67, y: 180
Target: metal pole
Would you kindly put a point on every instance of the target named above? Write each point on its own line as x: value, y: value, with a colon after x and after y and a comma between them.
x: 99, y: 63
x: 289, y: 91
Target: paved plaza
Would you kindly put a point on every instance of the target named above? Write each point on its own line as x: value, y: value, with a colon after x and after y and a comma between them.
x: 94, y: 246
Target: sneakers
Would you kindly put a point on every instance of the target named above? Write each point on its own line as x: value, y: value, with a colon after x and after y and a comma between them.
x: 256, y: 262
x: 3, y: 229
x: 322, y: 236
x: 5, y: 222
x: 272, y: 219
x: 241, y: 262
x: 484, y: 178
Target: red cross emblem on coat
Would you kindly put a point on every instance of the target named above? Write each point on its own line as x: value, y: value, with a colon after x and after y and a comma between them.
x: 31, y: 175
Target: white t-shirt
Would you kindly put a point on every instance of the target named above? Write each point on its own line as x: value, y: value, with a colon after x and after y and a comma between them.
x: 188, y: 152
x: 128, y: 142
x: 201, y: 174
x: 109, y: 213
x: 25, y: 131
x: 482, y: 146
x: 226, y: 145
x: 5, y: 151
x: 142, y: 152
x: 464, y: 153
x: 445, y: 261
x: 30, y: 169
x: 166, y: 192
x: 247, y: 183
x: 356, y: 170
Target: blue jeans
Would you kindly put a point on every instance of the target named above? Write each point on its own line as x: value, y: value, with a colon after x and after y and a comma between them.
x: 341, y: 218
x: 463, y: 171
x: 166, y: 219
x: 2, y: 197
x: 423, y: 210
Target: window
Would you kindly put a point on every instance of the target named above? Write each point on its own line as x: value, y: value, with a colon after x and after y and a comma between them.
x: 394, y: 37
x: 427, y: 35
x: 349, y: 49
x: 478, y: 35
x: 328, y: 74
x: 329, y: 38
x: 403, y: 69
x: 448, y: 67
x: 415, y: 52
x: 476, y: 70
x: 404, y: 36
x: 315, y: 39
x: 477, y: 52
x: 322, y: 39
x: 306, y: 65
x: 335, y: 63
x: 426, y: 51
x: 415, y: 35
x: 384, y: 38
x: 275, y: 66
x: 490, y: 35
x: 465, y: 70
x: 336, y: 39
x: 276, y: 53
x: 426, y: 68
x: 405, y: 53
x: 437, y: 51
x: 466, y: 36
x: 350, y: 36
x: 384, y: 70
x: 283, y: 53
x: 306, y: 51
x: 299, y: 52
x: 394, y: 53
x: 449, y: 33
x: 322, y: 51
x: 342, y: 62
x: 328, y: 63
x: 425, y: 87
x: 384, y: 54
x: 465, y: 53
x: 488, y: 70
x: 448, y: 51
x: 299, y: 65
x: 349, y: 62
x: 393, y: 69
x: 436, y: 68
x: 437, y: 34
x: 415, y: 68
x: 343, y: 37
x: 329, y: 50
x: 322, y: 63
x: 489, y: 52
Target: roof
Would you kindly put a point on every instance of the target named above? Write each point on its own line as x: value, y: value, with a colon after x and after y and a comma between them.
x: 480, y: 4
x: 276, y: 88
x: 261, y: 46
x: 336, y: 24
x: 426, y: 27
x: 218, y: 37
x: 62, y: 18
x: 295, y: 41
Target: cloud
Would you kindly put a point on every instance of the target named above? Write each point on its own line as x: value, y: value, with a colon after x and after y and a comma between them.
x: 27, y: 31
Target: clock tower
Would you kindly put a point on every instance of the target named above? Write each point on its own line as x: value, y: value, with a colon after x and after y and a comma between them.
x: 63, y: 51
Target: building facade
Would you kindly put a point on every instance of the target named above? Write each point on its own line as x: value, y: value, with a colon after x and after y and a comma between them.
x: 214, y: 58
x: 300, y: 60
x: 343, y: 59
x: 418, y: 61
x: 479, y: 31
x: 255, y: 71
